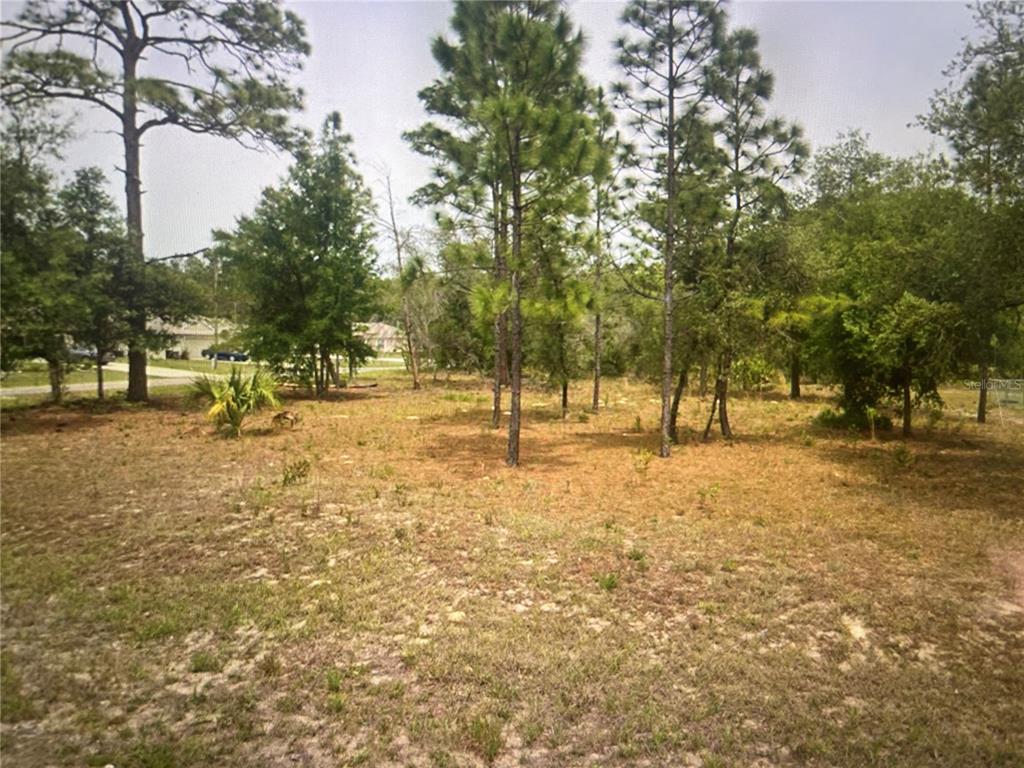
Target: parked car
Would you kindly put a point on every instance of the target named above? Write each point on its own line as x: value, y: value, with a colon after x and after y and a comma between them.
x: 237, y: 357
x: 88, y: 354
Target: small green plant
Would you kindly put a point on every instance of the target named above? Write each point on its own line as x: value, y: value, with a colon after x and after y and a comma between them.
x: 232, y: 399
x: 636, y: 554
x: 295, y: 472
x: 638, y: 425
x: 485, y: 734
x: 707, y: 494
x: 204, y: 661
x: 642, y: 460
x: 730, y: 566
x: 337, y: 703
x: 607, y: 581
x: 582, y: 417
x: 903, y: 456
x: 333, y: 679
x: 872, y: 415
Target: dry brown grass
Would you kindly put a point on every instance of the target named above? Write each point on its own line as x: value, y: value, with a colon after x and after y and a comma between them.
x: 796, y: 597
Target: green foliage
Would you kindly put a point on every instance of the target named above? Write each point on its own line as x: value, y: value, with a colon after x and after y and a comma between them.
x: 305, y: 259
x: 232, y: 399
x: 239, y: 56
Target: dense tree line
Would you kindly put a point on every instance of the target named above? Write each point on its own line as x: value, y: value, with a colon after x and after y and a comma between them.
x: 668, y: 226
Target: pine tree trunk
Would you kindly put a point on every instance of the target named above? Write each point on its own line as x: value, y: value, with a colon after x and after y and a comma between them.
x: 702, y: 381
x: 794, y: 376
x: 983, y: 390
x: 596, y: 405
x: 138, y: 389
x: 565, y: 400
x: 516, y: 337
x: 667, y: 310
x: 677, y: 398
x: 516, y: 329
x: 906, y: 403
x: 55, y: 367
x: 501, y: 321
x: 99, y: 376
x: 332, y: 372
x: 722, y: 394
x: 414, y: 364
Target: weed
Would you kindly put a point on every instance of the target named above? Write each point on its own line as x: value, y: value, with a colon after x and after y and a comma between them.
x: 205, y: 661
x: 333, y: 678
x: 485, y: 736
x: 638, y: 425
x: 607, y: 581
x: 337, y: 703
x: 296, y: 472
x: 642, y: 460
x: 707, y: 494
x: 903, y: 456
x: 636, y: 554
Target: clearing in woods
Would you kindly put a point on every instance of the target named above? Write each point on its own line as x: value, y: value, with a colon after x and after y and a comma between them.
x: 374, y: 587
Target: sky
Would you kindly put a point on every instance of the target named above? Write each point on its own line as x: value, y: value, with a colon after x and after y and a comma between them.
x: 837, y: 65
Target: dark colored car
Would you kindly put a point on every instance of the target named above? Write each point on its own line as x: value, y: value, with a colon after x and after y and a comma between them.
x: 237, y: 357
x: 83, y: 354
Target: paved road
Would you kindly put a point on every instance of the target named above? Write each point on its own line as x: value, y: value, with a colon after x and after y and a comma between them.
x: 158, y: 377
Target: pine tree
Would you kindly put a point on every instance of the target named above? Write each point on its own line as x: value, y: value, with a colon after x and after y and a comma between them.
x: 760, y: 153
x: 306, y: 259
x: 237, y: 56
x: 671, y: 43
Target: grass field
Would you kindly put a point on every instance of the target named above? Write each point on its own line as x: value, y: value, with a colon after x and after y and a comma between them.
x: 374, y: 587
x: 33, y: 375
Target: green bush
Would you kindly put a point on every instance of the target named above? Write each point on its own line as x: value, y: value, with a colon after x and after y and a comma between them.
x: 234, y: 398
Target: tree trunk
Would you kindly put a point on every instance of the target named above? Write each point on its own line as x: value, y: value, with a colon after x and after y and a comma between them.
x: 982, y: 390
x: 516, y: 337
x: 99, y: 376
x: 501, y: 320
x: 596, y: 405
x: 56, y: 371
x: 702, y: 382
x: 138, y: 390
x: 906, y: 403
x: 414, y: 364
x: 711, y: 415
x: 516, y: 329
x: 677, y: 398
x: 794, y: 376
x: 332, y: 372
x: 670, y: 205
x: 722, y: 394
x: 565, y: 399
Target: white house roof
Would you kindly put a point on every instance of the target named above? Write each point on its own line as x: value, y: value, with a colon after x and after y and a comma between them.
x: 200, y: 326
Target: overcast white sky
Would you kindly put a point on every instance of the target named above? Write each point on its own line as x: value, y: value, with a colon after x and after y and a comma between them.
x: 837, y: 65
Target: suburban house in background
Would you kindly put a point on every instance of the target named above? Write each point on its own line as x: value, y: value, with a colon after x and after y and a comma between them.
x: 193, y: 337
x: 383, y: 338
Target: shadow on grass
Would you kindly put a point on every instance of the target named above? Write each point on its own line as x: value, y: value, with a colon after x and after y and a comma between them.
x: 942, y: 469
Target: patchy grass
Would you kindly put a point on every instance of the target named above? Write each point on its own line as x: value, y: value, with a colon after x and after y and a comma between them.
x: 36, y: 374
x: 374, y: 587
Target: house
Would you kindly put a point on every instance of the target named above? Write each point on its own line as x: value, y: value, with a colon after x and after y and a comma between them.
x: 383, y: 338
x: 193, y: 337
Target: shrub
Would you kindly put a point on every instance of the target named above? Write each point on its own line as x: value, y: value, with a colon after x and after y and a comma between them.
x: 234, y: 398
